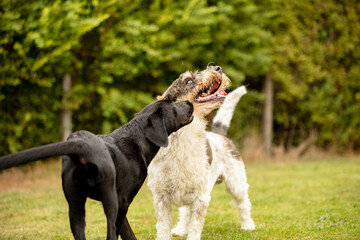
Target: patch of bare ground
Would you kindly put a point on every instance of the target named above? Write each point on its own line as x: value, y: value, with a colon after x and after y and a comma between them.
x: 253, y: 151
x: 38, y: 174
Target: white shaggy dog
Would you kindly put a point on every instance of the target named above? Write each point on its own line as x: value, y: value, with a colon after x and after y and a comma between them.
x: 185, y: 172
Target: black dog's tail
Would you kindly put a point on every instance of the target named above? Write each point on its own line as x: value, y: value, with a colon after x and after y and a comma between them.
x: 41, y: 152
x: 224, y: 115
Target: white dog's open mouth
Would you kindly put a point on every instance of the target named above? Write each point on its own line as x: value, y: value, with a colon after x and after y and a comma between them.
x: 211, y: 94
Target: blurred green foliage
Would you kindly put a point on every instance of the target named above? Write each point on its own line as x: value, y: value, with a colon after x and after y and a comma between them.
x: 316, y: 71
x: 121, y: 54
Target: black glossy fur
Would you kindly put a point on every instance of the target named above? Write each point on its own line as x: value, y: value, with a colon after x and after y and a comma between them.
x: 110, y: 168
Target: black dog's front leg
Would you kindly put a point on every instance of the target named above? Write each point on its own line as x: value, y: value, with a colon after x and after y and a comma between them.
x: 126, y: 232
x: 123, y: 227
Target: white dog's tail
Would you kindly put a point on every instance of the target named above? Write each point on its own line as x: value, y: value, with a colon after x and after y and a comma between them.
x: 224, y: 115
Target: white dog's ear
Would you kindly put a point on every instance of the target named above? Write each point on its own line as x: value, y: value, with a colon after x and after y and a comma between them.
x: 155, y: 130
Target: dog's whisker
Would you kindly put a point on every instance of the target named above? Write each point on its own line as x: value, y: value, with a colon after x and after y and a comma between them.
x: 209, y: 64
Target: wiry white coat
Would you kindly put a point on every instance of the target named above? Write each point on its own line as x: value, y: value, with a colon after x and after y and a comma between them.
x: 181, y: 175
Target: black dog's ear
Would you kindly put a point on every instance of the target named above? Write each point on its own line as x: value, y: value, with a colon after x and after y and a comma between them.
x: 155, y: 130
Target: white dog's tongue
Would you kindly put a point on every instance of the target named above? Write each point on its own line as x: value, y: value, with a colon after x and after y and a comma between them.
x: 212, y: 96
x: 222, y: 92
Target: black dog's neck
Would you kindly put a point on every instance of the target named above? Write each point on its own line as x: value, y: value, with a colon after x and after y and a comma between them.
x: 126, y: 133
x: 150, y: 152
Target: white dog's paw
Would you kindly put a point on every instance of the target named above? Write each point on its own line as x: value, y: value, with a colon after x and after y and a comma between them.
x: 248, y: 225
x: 178, y: 232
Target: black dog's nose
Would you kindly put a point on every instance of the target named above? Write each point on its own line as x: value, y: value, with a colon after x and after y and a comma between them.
x: 218, y: 69
x: 190, y: 105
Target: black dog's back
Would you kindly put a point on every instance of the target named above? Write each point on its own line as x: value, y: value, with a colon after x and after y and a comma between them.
x: 92, y: 158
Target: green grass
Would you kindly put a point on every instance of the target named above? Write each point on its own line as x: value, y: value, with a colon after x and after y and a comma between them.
x: 305, y: 200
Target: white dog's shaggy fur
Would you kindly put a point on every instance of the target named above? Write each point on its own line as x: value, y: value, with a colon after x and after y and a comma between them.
x: 185, y: 172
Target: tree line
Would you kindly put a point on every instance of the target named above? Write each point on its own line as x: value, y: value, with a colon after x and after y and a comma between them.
x: 119, y: 55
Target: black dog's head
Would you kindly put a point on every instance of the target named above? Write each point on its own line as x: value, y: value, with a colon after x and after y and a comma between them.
x: 165, y: 117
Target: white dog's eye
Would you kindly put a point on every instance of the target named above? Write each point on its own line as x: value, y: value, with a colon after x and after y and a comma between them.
x: 189, y: 82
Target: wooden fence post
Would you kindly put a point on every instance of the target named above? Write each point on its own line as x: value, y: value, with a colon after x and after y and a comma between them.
x: 268, y: 114
x: 66, y: 114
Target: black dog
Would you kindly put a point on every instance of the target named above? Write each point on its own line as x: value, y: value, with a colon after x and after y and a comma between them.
x: 110, y: 168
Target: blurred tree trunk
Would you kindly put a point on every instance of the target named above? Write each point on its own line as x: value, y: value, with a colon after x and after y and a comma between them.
x: 268, y: 114
x: 66, y: 114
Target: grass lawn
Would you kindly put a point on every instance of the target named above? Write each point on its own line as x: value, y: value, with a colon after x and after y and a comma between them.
x: 317, y: 199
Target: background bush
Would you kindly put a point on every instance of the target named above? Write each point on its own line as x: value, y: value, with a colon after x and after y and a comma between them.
x: 121, y: 54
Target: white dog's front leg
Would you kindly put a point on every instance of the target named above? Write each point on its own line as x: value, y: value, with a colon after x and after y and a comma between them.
x: 163, y: 215
x: 197, y: 218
